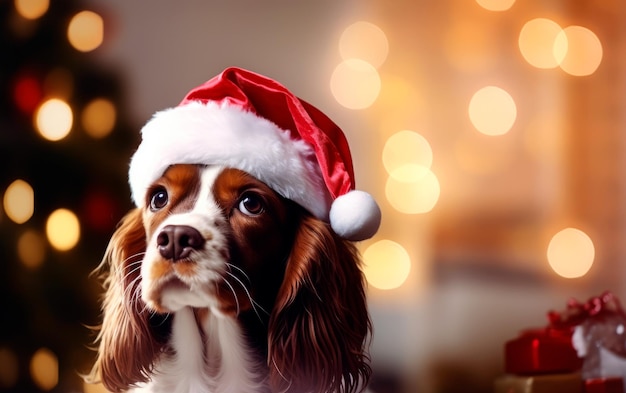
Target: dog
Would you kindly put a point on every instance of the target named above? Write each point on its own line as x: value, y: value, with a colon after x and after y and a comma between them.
x: 220, y: 280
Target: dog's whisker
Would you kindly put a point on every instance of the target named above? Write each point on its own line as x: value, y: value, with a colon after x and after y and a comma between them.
x: 130, y: 274
x: 231, y: 266
x: 134, y: 295
x: 139, y: 254
x: 254, y: 304
x: 234, y: 294
x: 130, y: 258
x: 257, y: 305
x: 131, y: 271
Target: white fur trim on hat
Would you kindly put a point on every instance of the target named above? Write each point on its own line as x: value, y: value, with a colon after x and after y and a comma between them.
x: 355, y: 215
x: 225, y: 134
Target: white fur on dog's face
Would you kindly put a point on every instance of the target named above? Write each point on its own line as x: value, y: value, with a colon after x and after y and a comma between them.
x: 168, y: 285
x: 211, y: 200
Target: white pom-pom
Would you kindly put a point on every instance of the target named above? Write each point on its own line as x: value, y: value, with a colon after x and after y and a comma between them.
x: 355, y: 216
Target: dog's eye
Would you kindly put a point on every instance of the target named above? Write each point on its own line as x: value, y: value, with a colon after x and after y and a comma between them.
x: 251, y: 205
x: 159, y: 199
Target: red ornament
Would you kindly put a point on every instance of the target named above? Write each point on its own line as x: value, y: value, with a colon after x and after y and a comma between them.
x: 27, y: 93
x: 100, y: 211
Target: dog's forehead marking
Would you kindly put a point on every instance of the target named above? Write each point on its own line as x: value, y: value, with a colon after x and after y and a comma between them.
x: 206, y: 200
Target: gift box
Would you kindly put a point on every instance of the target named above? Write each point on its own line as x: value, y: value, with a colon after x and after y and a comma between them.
x: 604, y: 385
x: 541, y: 351
x: 555, y: 383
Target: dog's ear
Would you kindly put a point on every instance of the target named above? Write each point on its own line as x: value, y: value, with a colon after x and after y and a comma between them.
x: 319, y: 328
x: 127, y: 346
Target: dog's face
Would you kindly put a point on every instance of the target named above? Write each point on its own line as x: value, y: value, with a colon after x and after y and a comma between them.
x: 216, y: 238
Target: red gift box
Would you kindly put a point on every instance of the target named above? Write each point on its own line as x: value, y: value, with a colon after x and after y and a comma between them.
x: 541, y: 351
x: 604, y: 385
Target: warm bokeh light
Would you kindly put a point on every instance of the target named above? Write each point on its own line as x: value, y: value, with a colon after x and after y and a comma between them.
x: 470, y: 46
x: 86, y: 31
x: 31, y: 249
x: 492, y: 111
x: 571, y: 253
x: 19, y: 201
x: 98, y: 118
x: 365, y: 41
x: 496, y: 5
x: 386, y: 264
x: 406, y: 154
x: 63, y: 229
x: 543, y: 136
x: 481, y: 154
x: 54, y: 119
x: 355, y: 84
x: 391, y: 109
x: 9, y: 368
x: 540, y: 44
x: 413, y: 197
x: 44, y: 369
x: 584, y: 51
x: 32, y: 9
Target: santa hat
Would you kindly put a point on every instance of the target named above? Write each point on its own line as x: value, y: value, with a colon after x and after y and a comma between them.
x: 243, y: 120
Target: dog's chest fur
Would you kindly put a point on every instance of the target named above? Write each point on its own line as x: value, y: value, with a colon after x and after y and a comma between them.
x: 208, y: 354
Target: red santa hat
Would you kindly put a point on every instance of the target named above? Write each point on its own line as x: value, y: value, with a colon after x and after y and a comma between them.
x: 243, y: 120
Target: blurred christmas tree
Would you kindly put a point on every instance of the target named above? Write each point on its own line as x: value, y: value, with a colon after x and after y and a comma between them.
x: 64, y: 147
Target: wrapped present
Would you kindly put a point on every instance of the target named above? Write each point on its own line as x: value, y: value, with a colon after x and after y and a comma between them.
x: 552, y: 383
x: 604, y: 385
x: 599, y: 336
x: 541, y: 351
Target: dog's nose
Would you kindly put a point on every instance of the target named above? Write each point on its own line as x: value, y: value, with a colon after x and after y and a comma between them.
x: 176, y: 242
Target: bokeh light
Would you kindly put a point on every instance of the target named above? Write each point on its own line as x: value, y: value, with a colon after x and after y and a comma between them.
x: 32, y: 9
x: 416, y: 196
x: 27, y: 93
x: 483, y: 155
x: 365, y: 41
x: 44, y: 369
x: 571, y: 253
x: 99, y: 211
x: 355, y: 84
x: 19, y: 201
x: 63, y: 229
x: 492, y: 111
x: 98, y: 118
x: 406, y: 155
x: 543, y: 136
x: 9, y: 368
x: 540, y: 43
x: 496, y: 5
x: 86, y: 31
x: 391, y: 109
x: 386, y: 264
x: 54, y: 119
x: 31, y: 249
x: 470, y: 46
x: 584, y: 51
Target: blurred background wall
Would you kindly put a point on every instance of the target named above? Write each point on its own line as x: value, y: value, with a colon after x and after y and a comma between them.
x: 490, y: 131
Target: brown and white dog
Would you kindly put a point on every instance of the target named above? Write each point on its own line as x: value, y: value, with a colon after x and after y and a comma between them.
x: 218, y: 283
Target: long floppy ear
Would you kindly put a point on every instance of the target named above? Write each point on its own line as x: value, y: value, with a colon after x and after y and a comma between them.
x: 127, y: 346
x: 319, y: 328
